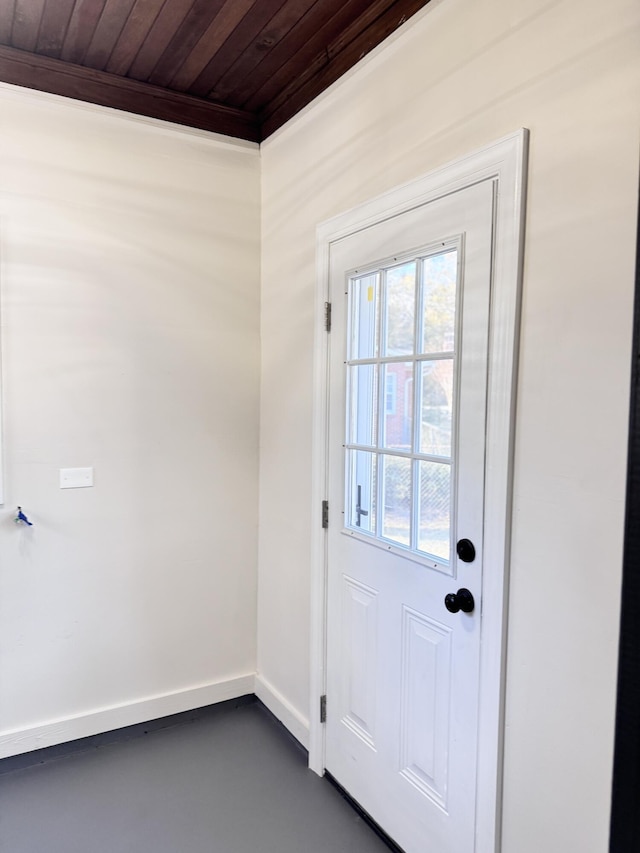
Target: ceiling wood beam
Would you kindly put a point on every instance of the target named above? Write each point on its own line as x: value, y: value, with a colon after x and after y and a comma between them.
x: 98, y: 87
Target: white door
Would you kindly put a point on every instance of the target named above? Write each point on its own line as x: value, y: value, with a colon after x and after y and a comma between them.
x: 407, y: 414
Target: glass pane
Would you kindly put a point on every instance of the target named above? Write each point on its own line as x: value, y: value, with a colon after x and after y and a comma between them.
x: 434, y: 510
x: 364, y: 315
x: 396, y: 499
x: 439, y: 274
x: 436, y: 404
x: 397, y: 419
x: 361, y: 514
x: 363, y: 389
x: 399, y: 309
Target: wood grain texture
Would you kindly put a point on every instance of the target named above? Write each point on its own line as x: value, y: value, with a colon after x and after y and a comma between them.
x: 279, y: 27
x: 107, y: 32
x: 98, y: 87
x: 306, y: 53
x: 84, y: 18
x: 189, y: 33
x: 247, y: 30
x: 53, y: 26
x: 168, y: 21
x: 7, y: 10
x: 26, y: 23
x: 210, y: 42
x: 140, y: 19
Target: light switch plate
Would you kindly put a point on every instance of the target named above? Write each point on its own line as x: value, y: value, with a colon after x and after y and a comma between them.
x: 76, y: 478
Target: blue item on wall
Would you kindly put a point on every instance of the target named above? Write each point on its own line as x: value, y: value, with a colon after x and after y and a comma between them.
x: 22, y: 518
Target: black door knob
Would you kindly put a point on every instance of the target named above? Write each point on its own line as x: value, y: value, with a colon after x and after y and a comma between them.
x: 460, y: 600
x: 466, y: 550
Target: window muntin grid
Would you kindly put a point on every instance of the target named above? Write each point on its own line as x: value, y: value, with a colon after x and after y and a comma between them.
x: 402, y: 402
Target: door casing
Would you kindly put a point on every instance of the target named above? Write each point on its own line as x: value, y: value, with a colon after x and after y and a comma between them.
x: 504, y: 163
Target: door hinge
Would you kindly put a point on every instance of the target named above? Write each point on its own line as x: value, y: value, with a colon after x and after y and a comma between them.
x: 325, y: 514
x: 327, y: 316
x: 323, y: 708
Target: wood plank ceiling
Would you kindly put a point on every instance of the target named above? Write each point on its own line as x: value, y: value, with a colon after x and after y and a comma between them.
x: 237, y: 67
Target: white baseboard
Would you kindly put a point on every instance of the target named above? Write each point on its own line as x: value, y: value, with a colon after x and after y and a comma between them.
x: 107, y: 719
x: 283, y: 710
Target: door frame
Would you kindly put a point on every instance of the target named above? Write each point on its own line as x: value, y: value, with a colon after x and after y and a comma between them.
x: 503, y: 162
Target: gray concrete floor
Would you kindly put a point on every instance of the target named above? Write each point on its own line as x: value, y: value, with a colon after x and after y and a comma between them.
x: 229, y: 781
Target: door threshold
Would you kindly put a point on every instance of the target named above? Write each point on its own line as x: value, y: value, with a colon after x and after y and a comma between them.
x: 366, y: 817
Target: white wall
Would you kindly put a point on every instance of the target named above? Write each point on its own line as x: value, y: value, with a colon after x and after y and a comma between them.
x: 130, y: 343
x: 458, y: 76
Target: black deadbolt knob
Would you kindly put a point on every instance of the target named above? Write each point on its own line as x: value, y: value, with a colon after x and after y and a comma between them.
x: 460, y: 600
x: 466, y: 551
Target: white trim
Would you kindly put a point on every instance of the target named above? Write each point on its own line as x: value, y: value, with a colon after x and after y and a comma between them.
x: 319, y: 486
x: 9, y: 91
x: 107, y: 719
x: 504, y: 162
x: 2, y: 468
x: 283, y: 710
